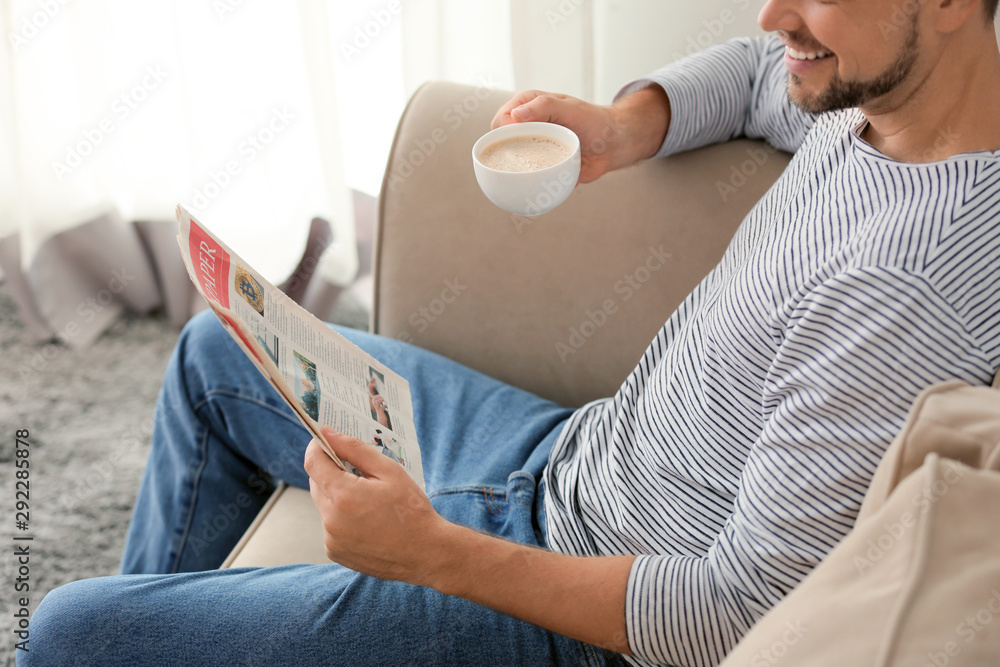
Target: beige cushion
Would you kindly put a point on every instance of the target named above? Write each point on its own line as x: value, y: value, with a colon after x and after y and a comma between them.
x: 951, y: 419
x: 917, y: 582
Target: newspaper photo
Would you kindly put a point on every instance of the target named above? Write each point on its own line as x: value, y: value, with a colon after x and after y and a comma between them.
x: 324, y: 378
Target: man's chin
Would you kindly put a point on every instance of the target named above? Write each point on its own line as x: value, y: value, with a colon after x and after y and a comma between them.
x: 808, y: 101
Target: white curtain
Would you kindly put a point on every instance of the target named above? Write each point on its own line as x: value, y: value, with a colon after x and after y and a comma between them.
x: 118, y: 110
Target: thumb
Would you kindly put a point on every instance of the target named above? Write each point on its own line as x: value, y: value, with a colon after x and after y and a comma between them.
x: 358, y: 453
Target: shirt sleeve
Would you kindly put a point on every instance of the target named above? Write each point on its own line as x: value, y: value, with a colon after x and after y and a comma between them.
x: 735, y: 89
x: 857, y: 350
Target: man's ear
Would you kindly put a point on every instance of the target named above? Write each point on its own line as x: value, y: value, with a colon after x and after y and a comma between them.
x: 951, y: 15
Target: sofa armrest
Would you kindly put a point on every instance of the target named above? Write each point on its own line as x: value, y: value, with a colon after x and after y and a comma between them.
x: 563, y: 304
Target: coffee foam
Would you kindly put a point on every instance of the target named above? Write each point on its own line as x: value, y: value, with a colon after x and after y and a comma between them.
x: 529, y: 152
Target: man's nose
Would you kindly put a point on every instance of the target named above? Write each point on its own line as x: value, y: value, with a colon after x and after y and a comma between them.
x: 780, y: 15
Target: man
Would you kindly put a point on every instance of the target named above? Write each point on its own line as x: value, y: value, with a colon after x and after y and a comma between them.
x: 731, y: 461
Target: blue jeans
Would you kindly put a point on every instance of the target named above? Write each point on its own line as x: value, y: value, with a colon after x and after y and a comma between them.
x: 221, y: 437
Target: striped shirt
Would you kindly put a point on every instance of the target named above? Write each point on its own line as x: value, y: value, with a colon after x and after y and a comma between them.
x: 737, y: 453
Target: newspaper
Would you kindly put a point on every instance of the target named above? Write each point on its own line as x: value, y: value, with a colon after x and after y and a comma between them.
x: 324, y: 378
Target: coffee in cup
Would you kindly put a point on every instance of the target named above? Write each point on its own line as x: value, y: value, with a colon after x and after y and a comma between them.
x: 528, y: 152
x: 527, y: 168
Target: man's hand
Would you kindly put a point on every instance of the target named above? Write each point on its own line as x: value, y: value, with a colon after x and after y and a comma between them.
x: 610, y: 137
x: 381, y: 524
x: 384, y: 525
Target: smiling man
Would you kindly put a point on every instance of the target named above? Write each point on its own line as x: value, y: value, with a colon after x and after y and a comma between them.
x: 676, y: 513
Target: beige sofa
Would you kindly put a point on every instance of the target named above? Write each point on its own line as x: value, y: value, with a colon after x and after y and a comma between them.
x: 563, y: 304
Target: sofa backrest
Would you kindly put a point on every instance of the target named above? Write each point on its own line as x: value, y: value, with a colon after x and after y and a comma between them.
x: 564, y: 304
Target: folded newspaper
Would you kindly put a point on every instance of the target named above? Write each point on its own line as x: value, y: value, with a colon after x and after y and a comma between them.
x: 324, y: 378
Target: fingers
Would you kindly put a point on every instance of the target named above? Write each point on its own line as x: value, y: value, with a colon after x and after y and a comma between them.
x: 541, y: 109
x: 502, y: 116
x: 318, y: 495
x: 318, y: 463
x: 326, y: 509
x: 531, y: 105
x: 362, y: 456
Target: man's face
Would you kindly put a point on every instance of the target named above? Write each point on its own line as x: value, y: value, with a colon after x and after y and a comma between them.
x: 845, y: 53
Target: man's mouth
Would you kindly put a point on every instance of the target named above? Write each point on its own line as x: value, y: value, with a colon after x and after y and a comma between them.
x: 806, y: 55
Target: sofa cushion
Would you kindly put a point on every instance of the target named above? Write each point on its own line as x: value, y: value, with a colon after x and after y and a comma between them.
x: 287, y: 530
x: 918, y: 579
x: 952, y: 419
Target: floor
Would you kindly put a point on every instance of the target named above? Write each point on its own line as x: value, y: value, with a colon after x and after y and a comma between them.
x: 88, y: 417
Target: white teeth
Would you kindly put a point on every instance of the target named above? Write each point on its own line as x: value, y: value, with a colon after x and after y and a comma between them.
x: 802, y: 55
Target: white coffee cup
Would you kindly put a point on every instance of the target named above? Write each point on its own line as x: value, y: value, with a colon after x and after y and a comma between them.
x: 529, y: 193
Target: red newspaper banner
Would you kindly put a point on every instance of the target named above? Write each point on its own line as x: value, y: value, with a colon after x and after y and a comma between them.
x: 211, y: 264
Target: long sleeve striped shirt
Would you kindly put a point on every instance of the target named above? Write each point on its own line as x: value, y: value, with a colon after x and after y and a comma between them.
x: 737, y: 453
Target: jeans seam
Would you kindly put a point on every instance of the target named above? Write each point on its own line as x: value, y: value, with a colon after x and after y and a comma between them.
x: 490, y: 495
x: 203, y: 450
x: 242, y: 397
x: 591, y: 655
x: 194, y: 499
x: 468, y: 488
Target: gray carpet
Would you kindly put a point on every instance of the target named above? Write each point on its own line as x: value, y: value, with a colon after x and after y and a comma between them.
x: 89, y: 414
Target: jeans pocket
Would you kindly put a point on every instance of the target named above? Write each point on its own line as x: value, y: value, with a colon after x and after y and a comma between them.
x: 506, y: 512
